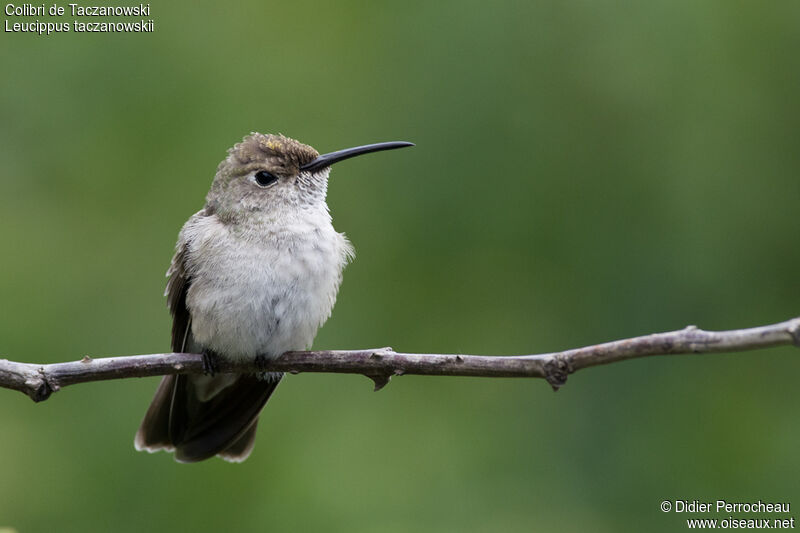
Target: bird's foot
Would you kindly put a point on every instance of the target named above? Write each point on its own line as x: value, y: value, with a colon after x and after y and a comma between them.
x: 262, y: 362
x: 210, y: 363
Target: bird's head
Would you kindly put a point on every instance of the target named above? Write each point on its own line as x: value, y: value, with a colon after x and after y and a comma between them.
x: 272, y: 173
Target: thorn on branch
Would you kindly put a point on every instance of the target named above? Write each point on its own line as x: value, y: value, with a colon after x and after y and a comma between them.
x: 380, y: 353
x: 794, y: 331
x: 381, y: 380
x: 556, y: 371
x: 39, y: 389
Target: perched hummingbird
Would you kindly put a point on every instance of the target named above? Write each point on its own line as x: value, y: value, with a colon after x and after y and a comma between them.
x: 255, y: 274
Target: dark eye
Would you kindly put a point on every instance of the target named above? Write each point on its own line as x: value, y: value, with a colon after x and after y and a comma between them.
x: 264, y: 178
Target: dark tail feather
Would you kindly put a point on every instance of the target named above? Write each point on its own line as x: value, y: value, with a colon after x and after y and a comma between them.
x: 153, y: 434
x: 240, y: 450
x: 206, y: 420
x: 206, y: 416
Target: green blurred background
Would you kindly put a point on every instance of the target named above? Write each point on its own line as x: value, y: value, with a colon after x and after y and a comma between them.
x: 584, y: 171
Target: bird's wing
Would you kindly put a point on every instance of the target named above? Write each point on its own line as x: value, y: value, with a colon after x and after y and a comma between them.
x: 177, y: 287
x: 154, y: 433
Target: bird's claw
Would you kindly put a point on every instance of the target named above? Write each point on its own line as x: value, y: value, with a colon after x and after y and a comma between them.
x: 262, y: 362
x: 210, y: 363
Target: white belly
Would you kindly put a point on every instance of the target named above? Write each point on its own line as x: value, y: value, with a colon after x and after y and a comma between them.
x: 263, y: 294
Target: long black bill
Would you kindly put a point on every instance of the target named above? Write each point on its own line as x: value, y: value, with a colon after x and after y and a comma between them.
x: 326, y: 160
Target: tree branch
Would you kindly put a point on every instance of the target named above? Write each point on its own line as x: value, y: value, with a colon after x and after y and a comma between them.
x: 40, y: 381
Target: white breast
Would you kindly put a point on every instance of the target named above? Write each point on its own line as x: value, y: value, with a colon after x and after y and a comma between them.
x: 263, y: 289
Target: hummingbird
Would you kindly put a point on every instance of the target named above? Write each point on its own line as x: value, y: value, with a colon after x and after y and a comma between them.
x: 255, y: 274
